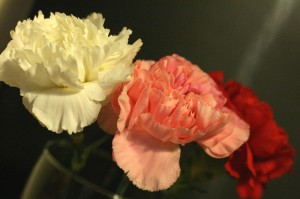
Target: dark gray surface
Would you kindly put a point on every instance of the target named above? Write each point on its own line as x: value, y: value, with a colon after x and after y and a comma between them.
x: 10, y: 13
x: 216, y: 35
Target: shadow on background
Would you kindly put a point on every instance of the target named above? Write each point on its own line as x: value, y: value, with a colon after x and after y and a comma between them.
x: 212, y: 34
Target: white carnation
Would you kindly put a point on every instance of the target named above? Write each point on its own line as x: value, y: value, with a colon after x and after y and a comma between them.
x: 65, y: 67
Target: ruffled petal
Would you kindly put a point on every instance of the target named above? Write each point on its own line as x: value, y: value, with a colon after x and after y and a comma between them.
x: 155, y: 129
x: 210, y: 122
x: 125, y: 106
x: 233, y: 135
x: 149, y: 163
x: 97, y: 19
x: 14, y: 75
x: 65, y: 109
x: 116, y: 64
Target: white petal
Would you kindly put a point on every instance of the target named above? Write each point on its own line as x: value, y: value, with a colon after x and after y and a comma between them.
x: 97, y: 19
x: 12, y: 74
x: 66, y: 109
x: 110, y: 79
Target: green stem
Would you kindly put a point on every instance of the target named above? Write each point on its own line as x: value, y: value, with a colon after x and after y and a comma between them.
x: 93, y: 146
x: 123, y: 186
x: 79, y: 159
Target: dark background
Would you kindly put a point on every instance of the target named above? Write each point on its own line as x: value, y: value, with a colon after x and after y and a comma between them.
x: 215, y: 35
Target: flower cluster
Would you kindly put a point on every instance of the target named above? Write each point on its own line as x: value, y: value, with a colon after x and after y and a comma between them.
x: 71, y: 72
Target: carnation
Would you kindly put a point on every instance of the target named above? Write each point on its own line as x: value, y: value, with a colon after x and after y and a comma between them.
x: 167, y: 104
x: 267, y: 154
x: 66, y: 67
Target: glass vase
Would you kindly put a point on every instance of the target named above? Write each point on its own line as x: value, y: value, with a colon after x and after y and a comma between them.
x: 52, y: 178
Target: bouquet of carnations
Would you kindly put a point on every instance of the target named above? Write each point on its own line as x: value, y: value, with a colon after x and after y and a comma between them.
x: 162, y: 114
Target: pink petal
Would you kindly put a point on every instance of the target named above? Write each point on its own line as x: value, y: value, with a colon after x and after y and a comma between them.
x: 143, y: 65
x: 133, y: 99
x: 125, y: 108
x: 141, y: 103
x: 107, y: 119
x: 149, y: 163
x: 161, y: 106
x: 155, y: 129
x: 234, y: 134
x: 179, y: 135
x: 209, y: 120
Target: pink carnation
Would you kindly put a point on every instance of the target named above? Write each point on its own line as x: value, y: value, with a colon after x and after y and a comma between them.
x: 167, y: 104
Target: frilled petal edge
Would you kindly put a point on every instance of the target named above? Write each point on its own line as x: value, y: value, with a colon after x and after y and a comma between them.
x: 65, y: 109
x: 149, y: 163
x: 233, y: 135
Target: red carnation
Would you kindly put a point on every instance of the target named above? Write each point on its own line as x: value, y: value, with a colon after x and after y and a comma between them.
x: 267, y: 154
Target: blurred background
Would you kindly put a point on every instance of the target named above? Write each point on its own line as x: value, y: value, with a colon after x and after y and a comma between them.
x: 255, y: 42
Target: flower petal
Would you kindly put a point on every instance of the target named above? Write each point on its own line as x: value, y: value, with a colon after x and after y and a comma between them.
x: 107, y: 119
x: 65, y: 109
x: 234, y: 134
x: 14, y: 75
x: 125, y: 108
x: 149, y: 163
